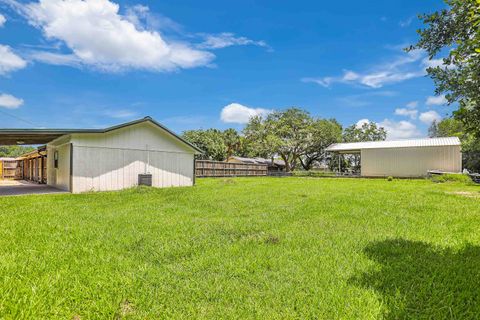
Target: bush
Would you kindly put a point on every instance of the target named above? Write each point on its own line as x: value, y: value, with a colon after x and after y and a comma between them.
x: 450, y: 177
x: 390, y: 178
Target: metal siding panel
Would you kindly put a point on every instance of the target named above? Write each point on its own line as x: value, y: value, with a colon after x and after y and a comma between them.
x: 102, y: 169
x: 409, y: 162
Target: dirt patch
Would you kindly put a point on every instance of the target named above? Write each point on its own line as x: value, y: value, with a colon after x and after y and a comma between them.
x: 467, y: 194
x: 125, y: 308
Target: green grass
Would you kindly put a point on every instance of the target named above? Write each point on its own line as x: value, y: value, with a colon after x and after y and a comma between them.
x: 264, y: 248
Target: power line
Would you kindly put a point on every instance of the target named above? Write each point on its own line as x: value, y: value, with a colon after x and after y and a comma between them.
x: 18, y: 118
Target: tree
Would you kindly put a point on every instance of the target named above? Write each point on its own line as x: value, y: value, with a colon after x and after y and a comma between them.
x: 433, y: 129
x: 232, y: 142
x: 369, y: 131
x: 211, y: 141
x: 451, y: 127
x: 14, y: 151
x: 448, y: 127
x: 282, y: 133
x: 321, y: 134
x: 456, y: 30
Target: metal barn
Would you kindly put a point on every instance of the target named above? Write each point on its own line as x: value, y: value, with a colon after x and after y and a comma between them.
x: 404, y: 158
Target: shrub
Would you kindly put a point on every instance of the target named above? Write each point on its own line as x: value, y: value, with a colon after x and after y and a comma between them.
x: 450, y: 177
x: 390, y: 178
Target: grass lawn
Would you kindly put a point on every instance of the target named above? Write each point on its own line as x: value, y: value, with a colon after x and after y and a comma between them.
x: 245, y: 248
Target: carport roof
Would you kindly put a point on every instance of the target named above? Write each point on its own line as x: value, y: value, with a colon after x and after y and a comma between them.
x: 44, y: 136
x: 358, y: 146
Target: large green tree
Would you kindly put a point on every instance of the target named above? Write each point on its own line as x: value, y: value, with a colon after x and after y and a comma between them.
x: 369, y: 131
x: 455, y: 32
x: 211, y: 141
x: 282, y: 133
x: 321, y: 134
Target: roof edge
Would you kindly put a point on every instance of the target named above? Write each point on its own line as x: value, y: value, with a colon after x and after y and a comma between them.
x: 407, y: 143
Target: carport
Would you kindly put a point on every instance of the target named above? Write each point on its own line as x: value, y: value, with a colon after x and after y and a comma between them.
x: 28, y: 137
x: 404, y: 158
x: 18, y: 188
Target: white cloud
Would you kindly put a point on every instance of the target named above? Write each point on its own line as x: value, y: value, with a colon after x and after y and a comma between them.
x: 436, y: 100
x: 404, y: 67
x: 361, y: 122
x: 395, y: 130
x: 350, y: 76
x: 100, y: 37
x: 379, y: 79
x: 412, y: 104
x: 430, y: 116
x: 400, y: 130
x: 227, y: 39
x: 55, y: 58
x: 10, y: 102
x: 407, y: 112
x: 406, y: 23
x: 9, y: 61
x: 237, y: 113
x: 324, y: 82
x: 2, y: 20
x: 433, y: 63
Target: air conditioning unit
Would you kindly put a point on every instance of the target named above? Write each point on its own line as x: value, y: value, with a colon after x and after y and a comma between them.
x: 145, y: 179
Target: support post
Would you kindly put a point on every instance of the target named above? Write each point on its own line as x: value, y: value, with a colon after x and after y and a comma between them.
x: 339, y: 163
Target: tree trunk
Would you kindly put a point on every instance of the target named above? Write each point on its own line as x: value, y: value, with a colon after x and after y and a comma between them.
x: 287, y: 163
x: 307, y: 163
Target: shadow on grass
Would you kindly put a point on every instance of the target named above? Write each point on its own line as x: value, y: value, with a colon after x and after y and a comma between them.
x: 418, y: 281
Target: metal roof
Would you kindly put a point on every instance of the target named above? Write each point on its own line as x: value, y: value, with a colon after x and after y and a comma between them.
x: 431, y: 142
x: 43, y: 136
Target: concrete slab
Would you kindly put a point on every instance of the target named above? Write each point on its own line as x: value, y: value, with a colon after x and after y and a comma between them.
x: 19, y: 187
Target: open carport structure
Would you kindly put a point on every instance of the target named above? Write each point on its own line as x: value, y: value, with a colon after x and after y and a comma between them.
x: 404, y: 158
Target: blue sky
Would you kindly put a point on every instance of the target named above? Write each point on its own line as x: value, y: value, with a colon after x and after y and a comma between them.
x: 200, y: 64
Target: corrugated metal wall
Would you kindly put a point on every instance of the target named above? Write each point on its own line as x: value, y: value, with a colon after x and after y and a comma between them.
x: 410, y: 162
x: 102, y: 169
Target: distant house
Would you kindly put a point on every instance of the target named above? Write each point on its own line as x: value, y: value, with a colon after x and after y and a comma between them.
x: 79, y: 160
x: 275, y: 166
x: 404, y: 158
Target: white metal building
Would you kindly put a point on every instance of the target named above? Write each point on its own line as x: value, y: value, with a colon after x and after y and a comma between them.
x: 80, y: 160
x: 405, y: 158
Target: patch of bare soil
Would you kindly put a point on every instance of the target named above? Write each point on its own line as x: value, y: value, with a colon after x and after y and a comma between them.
x: 467, y: 194
x: 126, y: 308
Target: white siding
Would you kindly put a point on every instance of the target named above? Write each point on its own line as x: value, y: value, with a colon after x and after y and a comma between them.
x: 135, y: 137
x: 59, y: 177
x: 102, y: 169
x: 113, y: 160
x: 410, y: 162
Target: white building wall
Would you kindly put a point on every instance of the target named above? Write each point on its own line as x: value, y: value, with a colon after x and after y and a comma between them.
x: 134, y: 137
x: 113, y: 160
x: 410, y: 162
x: 59, y: 177
x: 103, y: 169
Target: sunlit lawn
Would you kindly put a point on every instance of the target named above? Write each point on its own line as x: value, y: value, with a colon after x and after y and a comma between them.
x: 265, y: 248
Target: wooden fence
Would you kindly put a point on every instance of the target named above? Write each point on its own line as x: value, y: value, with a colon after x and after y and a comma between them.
x: 7, y: 169
x: 207, y: 168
